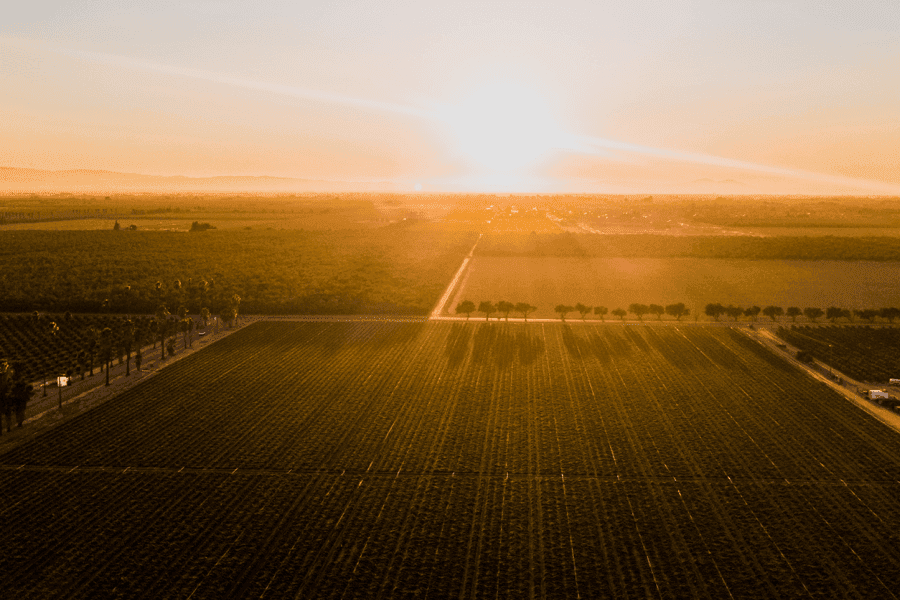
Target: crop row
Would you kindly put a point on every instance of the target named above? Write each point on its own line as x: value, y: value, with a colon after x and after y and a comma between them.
x: 387, y: 459
x: 486, y: 398
x: 331, y: 536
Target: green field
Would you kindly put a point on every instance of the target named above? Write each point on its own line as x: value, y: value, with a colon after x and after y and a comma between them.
x: 617, y: 282
x: 434, y: 460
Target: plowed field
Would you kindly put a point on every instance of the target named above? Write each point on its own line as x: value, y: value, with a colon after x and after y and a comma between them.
x: 389, y: 460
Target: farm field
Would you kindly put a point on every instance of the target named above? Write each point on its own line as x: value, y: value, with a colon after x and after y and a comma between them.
x: 617, y: 282
x: 401, y: 459
x: 862, y: 352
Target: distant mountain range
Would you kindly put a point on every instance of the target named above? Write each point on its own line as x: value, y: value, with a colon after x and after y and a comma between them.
x: 90, y: 181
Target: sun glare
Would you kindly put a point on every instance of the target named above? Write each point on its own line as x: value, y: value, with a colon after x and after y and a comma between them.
x: 503, y: 127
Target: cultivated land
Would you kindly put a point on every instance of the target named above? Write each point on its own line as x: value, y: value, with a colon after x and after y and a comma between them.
x: 617, y: 282
x: 396, y: 459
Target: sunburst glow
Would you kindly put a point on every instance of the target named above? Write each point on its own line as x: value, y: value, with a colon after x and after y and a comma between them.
x: 503, y: 127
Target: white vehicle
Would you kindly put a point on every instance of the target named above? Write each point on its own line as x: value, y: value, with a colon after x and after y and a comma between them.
x: 894, y: 381
x: 878, y: 395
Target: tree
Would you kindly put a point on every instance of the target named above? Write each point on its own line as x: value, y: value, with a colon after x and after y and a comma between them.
x: 734, y: 311
x: 6, y: 400
x: 21, y: 394
x: 620, y: 312
x: 204, y: 316
x: 187, y: 327
x: 639, y: 310
x: 563, y: 310
x: 53, y: 332
x: 91, y: 345
x: 752, y: 312
x: 868, y: 314
x: 505, y: 307
x: 601, y: 311
x: 467, y: 307
x: 117, y: 227
x: 714, y: 310
x: 487, y: 307
x: 162, y: 323
x: 793, y: 312
x: 127, y: 341
x: 832, y: 313
x: 658, y: 310
x: 583, y: 310
x: 812, y: 313
x: 524, y: 308
x: 889, y: 314
x: 106, y: 348
x: 677, y: 310
x: 773, y: 312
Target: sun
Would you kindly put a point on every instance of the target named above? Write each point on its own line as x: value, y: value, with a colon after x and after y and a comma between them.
x: 503, y: 127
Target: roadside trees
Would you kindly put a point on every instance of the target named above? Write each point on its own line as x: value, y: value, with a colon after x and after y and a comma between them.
x: 639, y: 310
x: 583, y: 310
x: 812, y: 313
x: 714, y: 310
x: 524, y: 308
x: 889, y: 314
x: 127, y: 341
x: 752, y: 312
x: 620, y: 312
x: 793, y: 312
x: 677, y: 310
x: 487, y: 307
x: 505, y: 307
x: 734, y: 311
x: 466, y: 307
x: 868, y: 314
x: 563, y: 310
x: 658, y: 310
x: 773, y: 312
x: 601, y: 311
x: 106, y: 348
x: 162, y: 324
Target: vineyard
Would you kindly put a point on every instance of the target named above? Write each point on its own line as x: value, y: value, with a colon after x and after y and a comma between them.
x: 412, y: 459
x: 863, y: 353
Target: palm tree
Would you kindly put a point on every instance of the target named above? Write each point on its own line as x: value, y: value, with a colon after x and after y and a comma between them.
x: 127, y: 341
x: 162, y: 319
x: 106, y: 348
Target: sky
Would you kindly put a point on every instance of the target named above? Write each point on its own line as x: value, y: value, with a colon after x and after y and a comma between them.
x: 751, y: 95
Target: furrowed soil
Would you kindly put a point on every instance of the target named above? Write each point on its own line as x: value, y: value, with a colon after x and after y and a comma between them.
x: 546, y: 282
x: 412, y: 459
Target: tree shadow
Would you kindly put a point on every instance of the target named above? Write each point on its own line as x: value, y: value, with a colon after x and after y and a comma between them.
x: 458, y: 343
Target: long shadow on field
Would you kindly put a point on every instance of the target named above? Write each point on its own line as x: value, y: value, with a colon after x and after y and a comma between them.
x: 637, y: 339
x: 530, y: 346
x: 575, y: 345
x: 458, y: 343
x: 494, y: 342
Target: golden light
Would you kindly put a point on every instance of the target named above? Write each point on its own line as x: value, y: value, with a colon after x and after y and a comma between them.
x: 503, y: 127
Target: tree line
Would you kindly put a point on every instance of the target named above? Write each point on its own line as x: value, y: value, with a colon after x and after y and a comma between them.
x: 679, y: 310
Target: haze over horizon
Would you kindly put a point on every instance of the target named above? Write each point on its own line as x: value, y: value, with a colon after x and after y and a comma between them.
x: 737, y: 97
